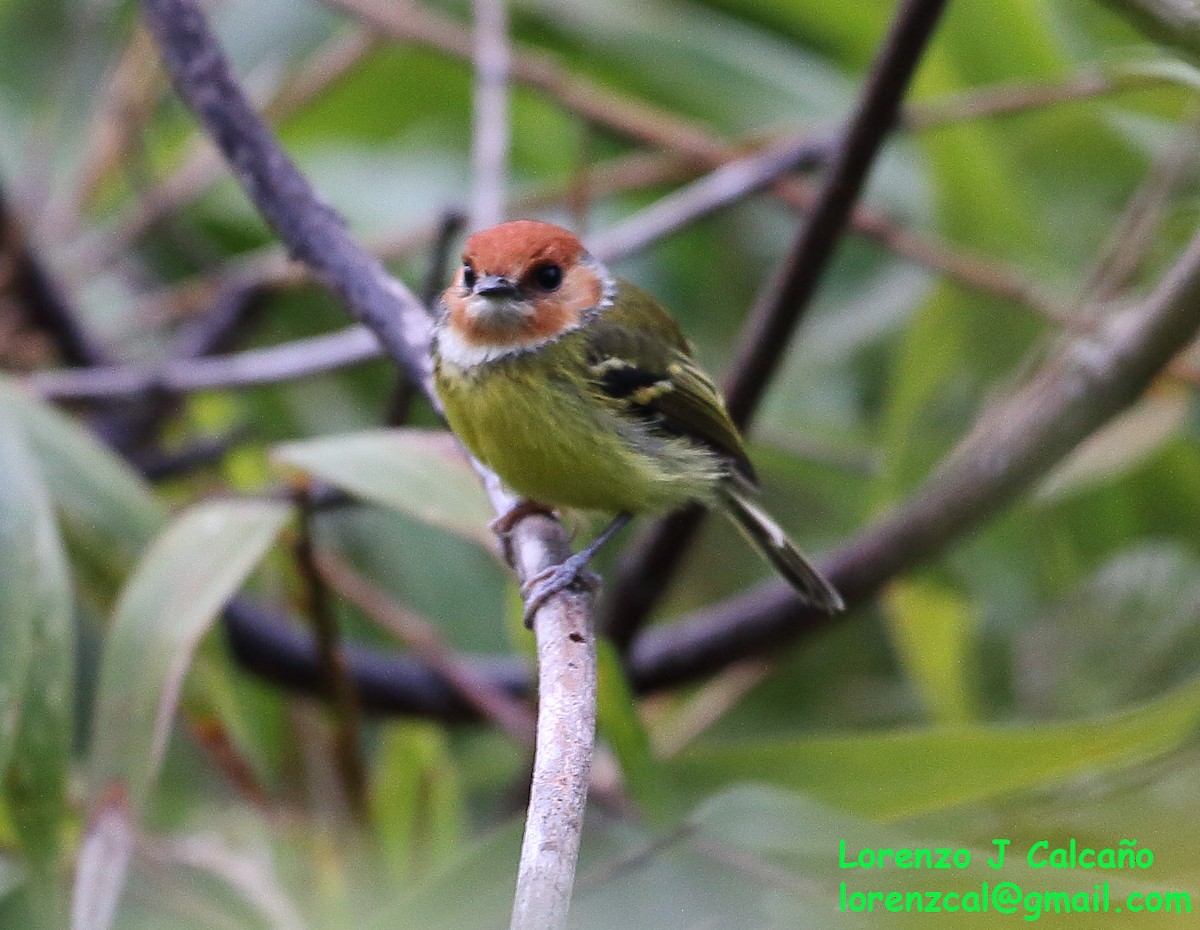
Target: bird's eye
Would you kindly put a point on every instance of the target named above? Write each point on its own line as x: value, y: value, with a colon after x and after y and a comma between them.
x: 468, y: 276
x: 548, y: 277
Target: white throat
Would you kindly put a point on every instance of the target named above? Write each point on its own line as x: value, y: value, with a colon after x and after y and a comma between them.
x: 453, y: 349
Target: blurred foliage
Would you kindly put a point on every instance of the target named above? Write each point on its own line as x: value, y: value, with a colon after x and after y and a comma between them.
x: 1037, y: 681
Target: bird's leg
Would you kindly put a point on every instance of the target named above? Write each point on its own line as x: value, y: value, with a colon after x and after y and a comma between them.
x: 559, y: 577
x: 503, y: 525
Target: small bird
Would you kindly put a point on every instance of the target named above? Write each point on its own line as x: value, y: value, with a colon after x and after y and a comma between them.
x: 579, y: 390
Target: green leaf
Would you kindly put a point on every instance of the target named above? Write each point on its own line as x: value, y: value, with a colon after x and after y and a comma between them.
x: 932, y: 629
x: 178, y: 589
x: 421, y: 473
x: 617, y: 720
x: 38, y: 678
x: 182, y: 583
x: 104, y: 506
x: 905, y: 773
x: 473, y: 890
x: 770, y: 821
x: 416, y: 800
x: 22, y: 515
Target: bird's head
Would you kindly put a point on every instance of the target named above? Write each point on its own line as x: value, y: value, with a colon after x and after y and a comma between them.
x: 521, y: 284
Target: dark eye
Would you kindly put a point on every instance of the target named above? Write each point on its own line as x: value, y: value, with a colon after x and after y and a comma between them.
x: 548, y: 277
x: 468, y: 276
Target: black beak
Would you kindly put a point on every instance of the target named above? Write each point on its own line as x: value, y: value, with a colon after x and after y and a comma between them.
x: 493, y: 285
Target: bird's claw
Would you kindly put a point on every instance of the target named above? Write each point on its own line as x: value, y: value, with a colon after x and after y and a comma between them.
x: 550, y: 581
x: 503, y: 525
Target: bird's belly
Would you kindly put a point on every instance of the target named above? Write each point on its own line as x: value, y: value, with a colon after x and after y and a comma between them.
x: 551, y: 443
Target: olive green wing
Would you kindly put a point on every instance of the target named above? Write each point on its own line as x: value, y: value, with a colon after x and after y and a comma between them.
x: 639, y: 360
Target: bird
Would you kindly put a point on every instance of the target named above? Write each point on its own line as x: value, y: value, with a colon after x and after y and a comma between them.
x: 580, y: 391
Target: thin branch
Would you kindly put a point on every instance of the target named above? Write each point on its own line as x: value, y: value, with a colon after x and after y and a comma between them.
x: 300, y: 358
x: 511, y: 715
x: 779, y: 310
x: 566, y: 648
x: 566, y: 733
x: 489, y: 148
x: 1010, y: 98
x: 768, y: 330
x: 340, y: 690
x: 728, y: 184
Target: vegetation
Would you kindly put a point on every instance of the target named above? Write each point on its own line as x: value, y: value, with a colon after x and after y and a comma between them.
x: 262, y: 662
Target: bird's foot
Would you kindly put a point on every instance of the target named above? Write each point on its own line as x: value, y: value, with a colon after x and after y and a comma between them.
x: 570, y: 573
x: 503, y: 525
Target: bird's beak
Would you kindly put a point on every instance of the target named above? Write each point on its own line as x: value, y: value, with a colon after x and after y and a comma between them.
x: 495, y: 286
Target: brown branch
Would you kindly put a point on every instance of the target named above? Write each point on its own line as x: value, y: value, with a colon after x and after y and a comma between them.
x: 340, y: 690
x: 778, y: 311
x: 1016, y: 97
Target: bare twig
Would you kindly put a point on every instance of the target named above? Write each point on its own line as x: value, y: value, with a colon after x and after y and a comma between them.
x: 489, y: 149
x: 1015, y: 97
x: 339, y: 685
x: 566, y: 649
x: 780, y: 308
x: 768, y: 330
x: 566, y: 732
x: 727, y: 184
x: 293, y: 360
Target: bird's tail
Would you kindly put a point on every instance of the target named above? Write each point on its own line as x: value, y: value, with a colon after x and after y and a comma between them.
x: 769, y: 538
